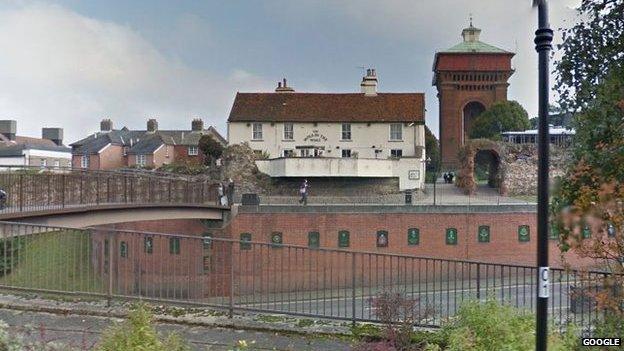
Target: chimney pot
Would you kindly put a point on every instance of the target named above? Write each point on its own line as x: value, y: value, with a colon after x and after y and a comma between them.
x: 8, y: 128
x: 106, y: 125
x: 197, y: 125
x: 369, y: 83
x: 152, y: 125
x: 283, y: 88
x: 54, y: 134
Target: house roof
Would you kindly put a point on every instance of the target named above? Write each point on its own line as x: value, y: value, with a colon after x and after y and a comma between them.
x: 319, y: 107
x: 147, y: 145
x: 16, y: 147
x: 141, y: 141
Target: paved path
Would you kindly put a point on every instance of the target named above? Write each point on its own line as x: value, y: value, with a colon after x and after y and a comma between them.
x: 84, y: 331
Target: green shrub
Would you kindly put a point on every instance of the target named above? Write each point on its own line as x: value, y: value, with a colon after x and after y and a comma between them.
x: 490, y: 326
x: 138, y: 334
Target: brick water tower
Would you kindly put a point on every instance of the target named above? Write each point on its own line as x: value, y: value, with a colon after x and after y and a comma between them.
x: 470, y: 77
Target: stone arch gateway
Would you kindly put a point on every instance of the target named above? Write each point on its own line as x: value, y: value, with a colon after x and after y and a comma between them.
x: 481, y: 152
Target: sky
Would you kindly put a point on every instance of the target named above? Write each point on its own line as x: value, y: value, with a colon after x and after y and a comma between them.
x: 71, y: 63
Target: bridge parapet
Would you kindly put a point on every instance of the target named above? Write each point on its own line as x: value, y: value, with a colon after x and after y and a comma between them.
x: 45, y: 189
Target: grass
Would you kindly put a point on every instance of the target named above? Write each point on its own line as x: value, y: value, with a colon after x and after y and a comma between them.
x: 59, y: 260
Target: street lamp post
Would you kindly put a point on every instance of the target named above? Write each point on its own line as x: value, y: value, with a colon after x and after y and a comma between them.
x: 543, y: 40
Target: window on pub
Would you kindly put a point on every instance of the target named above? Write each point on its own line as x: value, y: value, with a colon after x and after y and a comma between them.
x: 346, y: 131
x: 57, y: 164
x: 396, y: 131
x: 257, y: 131
x: 193, y: 150
x: 396, y: 153
x: 174, y: 246
x: 44, y: 163
x: 289, y: 153
x: 125, y: 150
x: 141, y: 160
x: 346, y: 153
x: 289, y: 133
x: 84, y: 161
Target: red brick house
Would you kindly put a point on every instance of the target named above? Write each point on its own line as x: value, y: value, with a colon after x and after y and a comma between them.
x: 151, y: 148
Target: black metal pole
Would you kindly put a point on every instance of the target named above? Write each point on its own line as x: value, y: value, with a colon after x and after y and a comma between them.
x: 543, y: 40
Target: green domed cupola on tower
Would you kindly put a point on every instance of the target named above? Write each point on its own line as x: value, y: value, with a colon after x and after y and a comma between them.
x: 469, y: 76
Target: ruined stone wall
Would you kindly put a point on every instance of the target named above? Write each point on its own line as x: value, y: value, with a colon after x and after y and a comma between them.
x: 521, y: 165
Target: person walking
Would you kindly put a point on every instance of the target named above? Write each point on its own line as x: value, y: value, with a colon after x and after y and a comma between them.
x: 230, y: 191
x: 303, y: 191
x: 220, y: 192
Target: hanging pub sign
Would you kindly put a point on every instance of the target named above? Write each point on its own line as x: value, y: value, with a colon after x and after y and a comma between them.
x: 483, y: 235
x: 451, y: 236
x: 315, y: 136
x: 382, y: 238
x: 276, y: 239
x: 524, y: 234
x: 413, y: 236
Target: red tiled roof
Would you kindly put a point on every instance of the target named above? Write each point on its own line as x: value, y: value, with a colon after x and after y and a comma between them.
x: 318, y: 107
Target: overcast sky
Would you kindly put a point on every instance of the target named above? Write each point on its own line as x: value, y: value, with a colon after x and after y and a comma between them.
x: 70, y: 63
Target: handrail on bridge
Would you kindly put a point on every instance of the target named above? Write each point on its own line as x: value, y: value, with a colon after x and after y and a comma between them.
x: 31, y: 189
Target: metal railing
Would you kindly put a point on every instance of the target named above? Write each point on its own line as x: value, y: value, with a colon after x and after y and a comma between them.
x: 271, y: 277
x: 38, y: 189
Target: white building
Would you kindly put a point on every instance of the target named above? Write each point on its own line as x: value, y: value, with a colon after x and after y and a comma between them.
x: 47, y: 151
x: 366, y: 134
x: 560, y: 136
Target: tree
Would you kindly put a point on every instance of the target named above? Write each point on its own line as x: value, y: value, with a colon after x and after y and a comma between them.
x: 432, y: 150
x: 211, y: 148
x: 590, y: 51
x: 502, y: 116
x: 588, y: 203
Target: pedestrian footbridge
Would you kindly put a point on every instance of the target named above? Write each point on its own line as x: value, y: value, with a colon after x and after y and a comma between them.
x: 87, y: 198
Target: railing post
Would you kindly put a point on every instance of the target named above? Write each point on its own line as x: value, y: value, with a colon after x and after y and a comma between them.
x: 149, y: 189
x: 231, y: 302
x: 186, y: 200
x: 169, y: 190
x: 21, y: 192
x: 125, y: 189
x: 479, y: 281
x: 81, y: 178
x: 63, y: 191
x: 353, y: 288
x: 97, y: 189
x: 110, y: 253
x: 108, y: 189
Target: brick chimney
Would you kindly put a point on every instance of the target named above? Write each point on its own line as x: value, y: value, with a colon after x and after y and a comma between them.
x: 197, y: 125
x: 8, y: 128
x: 106, y: 125
x: 283, y: 88
x: 54, y: 134
x: 152, y: 125
x: 369, y: 83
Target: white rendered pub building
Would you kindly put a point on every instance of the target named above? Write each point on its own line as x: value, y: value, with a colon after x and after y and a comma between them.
x: 366, y: 134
